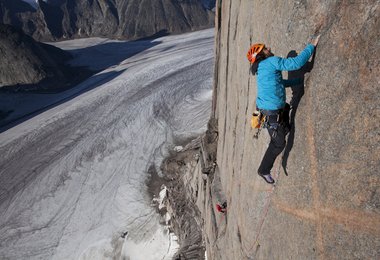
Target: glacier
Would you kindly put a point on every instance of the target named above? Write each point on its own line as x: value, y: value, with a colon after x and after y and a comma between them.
x: 73, y: 177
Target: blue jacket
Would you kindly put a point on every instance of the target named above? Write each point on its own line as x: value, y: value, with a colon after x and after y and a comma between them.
x: 270, y: 84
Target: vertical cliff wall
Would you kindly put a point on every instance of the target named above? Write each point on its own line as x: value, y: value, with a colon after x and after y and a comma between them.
x: 326, y: 201
x: 328, y: 206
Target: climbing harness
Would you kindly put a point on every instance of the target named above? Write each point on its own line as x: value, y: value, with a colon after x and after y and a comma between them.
x: 270, y: 119
x: 273, y: 119
x: 265, y: 119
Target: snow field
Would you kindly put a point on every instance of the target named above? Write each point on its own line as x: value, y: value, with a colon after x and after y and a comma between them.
x: 73, y: 178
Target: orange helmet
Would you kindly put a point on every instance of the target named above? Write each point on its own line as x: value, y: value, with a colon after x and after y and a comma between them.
x: 253, y: 51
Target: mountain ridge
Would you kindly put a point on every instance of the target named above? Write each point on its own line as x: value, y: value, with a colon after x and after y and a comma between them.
x: 67, y: 19
x: 27, y: 62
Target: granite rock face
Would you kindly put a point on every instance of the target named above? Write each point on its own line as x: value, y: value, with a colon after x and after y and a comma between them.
x: 328, y: 207
x: 25, y: 61
x: 62, y: 19
x: 23, y: 16
x: 326, y: 202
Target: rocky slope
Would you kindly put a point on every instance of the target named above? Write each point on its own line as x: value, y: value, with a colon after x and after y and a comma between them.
x: 58, y: 19
x: 23, y: 16
x: 326, y: 203
x: 25, y: 61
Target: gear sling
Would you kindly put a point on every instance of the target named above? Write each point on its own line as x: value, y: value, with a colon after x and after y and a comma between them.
x: 270, y: 119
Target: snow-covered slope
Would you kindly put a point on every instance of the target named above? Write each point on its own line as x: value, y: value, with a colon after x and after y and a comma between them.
x: 73, y: 177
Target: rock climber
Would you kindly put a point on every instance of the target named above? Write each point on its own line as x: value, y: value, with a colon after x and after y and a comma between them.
x: 271, y: 96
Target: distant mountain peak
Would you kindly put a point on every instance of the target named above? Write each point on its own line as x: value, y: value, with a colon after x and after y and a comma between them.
x: 47, y: 20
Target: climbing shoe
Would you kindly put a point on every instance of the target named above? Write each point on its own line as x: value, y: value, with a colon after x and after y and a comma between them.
x: 267, y: 177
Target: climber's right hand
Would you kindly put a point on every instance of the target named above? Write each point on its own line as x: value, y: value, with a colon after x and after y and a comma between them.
x: 314, y: 40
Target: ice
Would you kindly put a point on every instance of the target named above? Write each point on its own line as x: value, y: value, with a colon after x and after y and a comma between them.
x: 73, y: 178
x: 178, y: 148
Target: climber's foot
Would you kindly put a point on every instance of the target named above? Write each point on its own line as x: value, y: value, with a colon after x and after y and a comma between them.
x: 267, y: 177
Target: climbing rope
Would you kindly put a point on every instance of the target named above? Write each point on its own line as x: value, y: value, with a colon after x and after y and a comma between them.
x: 263, y: 215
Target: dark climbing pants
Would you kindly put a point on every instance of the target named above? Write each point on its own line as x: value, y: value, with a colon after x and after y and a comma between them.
x: 277, y: 140
x: 276, y: 145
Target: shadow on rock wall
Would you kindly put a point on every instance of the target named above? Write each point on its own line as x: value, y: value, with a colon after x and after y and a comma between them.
x: 297, y: 92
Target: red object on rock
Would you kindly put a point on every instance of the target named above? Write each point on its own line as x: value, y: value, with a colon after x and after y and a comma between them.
x: 221, y: 208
